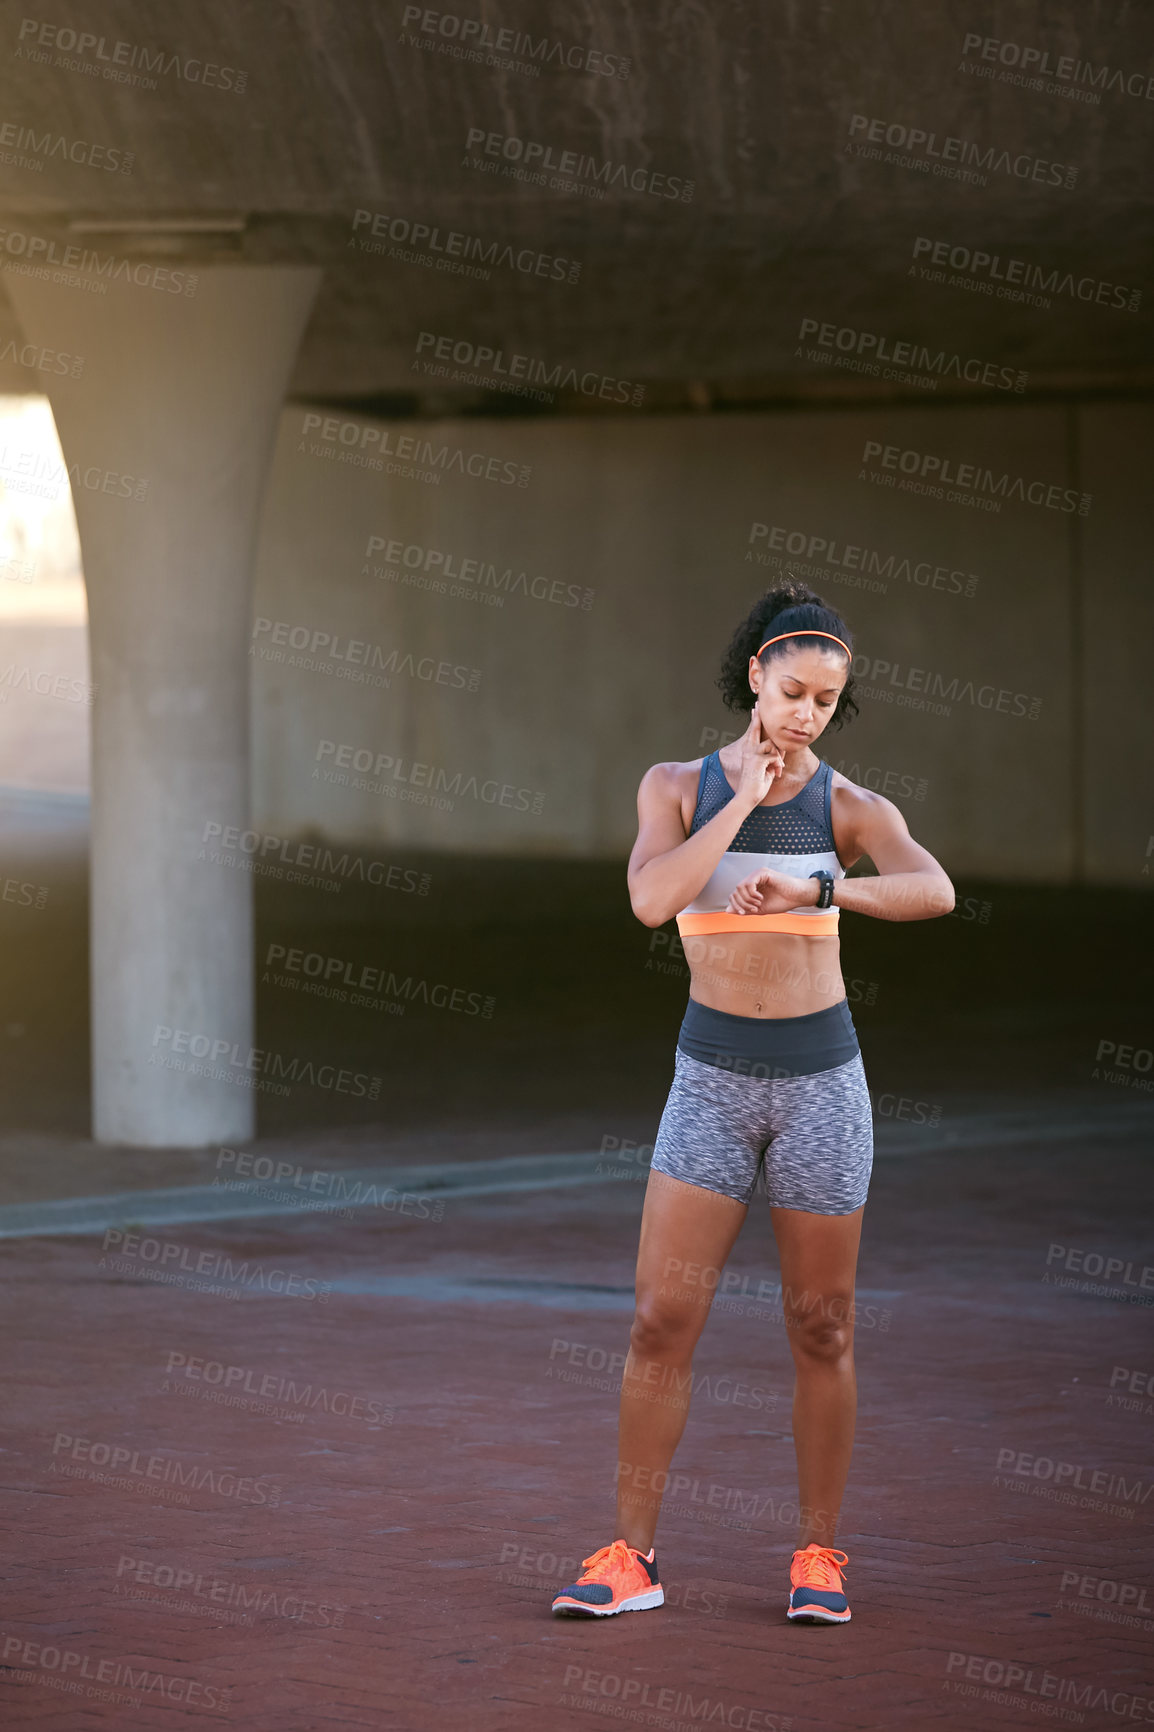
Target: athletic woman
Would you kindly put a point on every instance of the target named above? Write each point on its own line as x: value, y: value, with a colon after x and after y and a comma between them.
x: 749, y: 848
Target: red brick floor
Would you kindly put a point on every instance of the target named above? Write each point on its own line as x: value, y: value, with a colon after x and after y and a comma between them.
x: 389, y: 1562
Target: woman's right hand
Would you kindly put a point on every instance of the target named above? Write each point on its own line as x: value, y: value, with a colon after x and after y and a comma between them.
x: 761, y: 763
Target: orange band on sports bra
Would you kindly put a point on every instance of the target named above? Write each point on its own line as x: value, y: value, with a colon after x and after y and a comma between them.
x: 804, y: 633
x: 801, y: 924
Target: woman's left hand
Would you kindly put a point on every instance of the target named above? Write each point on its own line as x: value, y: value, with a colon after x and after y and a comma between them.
x: 768, y: 892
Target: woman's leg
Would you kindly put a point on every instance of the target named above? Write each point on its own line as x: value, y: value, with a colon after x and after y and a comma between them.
x: 818, y: 1267
x: 687, y: 1233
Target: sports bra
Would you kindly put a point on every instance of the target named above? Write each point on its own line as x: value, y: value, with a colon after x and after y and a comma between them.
x: 795, y: 837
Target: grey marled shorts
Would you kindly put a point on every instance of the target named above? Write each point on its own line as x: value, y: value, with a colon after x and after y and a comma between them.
x: 814, y: 1134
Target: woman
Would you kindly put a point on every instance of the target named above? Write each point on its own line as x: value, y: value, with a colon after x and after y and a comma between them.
x: 749, y: 848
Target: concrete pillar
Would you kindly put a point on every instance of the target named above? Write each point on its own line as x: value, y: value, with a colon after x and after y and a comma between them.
x: 167, y: 434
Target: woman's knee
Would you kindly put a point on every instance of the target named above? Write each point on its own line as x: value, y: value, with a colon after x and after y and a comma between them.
x: 662, y: 1328
x: 824, y: 1334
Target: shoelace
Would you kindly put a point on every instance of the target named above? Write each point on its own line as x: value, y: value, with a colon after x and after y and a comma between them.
x: 617, y: 1555
x: 825, y: 1563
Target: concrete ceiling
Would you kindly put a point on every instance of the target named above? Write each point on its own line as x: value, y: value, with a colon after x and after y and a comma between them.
x: 352, y: 108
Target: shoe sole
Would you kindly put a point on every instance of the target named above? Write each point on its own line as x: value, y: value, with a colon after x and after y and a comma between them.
x: 817, y: 1615
x: 635, y: 1603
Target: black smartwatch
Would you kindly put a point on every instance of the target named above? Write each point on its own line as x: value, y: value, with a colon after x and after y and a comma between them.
x: 825, y: 892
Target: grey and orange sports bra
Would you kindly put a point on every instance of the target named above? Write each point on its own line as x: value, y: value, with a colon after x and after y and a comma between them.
x: 795, y: 837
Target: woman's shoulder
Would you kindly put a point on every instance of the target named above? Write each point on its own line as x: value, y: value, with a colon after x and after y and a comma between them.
x: 672, y: 780
x: 851, y: 803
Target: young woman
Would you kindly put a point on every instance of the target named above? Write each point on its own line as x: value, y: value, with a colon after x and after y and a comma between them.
x: 749, y: 848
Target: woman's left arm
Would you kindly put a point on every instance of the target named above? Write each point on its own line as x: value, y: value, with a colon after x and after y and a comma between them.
x: 910, y: 884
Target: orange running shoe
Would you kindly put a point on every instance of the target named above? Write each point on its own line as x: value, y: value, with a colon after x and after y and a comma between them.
x: 816, y: 1595
x: 618, y: 1578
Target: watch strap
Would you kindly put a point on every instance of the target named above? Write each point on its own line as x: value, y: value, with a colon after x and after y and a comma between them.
x: 825, y: 887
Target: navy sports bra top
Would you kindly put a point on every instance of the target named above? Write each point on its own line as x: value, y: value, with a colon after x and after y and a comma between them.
x: 794, y: 836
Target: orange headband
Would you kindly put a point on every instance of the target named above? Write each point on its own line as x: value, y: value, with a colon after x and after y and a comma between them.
x: 806, y: 633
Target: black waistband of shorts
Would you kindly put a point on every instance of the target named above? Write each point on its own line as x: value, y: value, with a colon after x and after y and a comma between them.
x: 769, y: 1046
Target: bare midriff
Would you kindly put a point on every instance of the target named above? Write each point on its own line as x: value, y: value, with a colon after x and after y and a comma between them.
x: 766, y: 974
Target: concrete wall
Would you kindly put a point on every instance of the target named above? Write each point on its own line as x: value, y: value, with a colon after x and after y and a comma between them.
x: 1027, y: 765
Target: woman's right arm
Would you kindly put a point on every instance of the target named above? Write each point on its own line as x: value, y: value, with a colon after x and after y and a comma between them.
x: 667, y: 869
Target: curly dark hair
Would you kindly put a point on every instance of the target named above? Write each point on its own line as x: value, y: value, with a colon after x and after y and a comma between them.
x: 791, y: 607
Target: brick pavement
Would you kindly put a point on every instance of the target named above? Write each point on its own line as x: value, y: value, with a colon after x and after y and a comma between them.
x: 370, y: 1535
